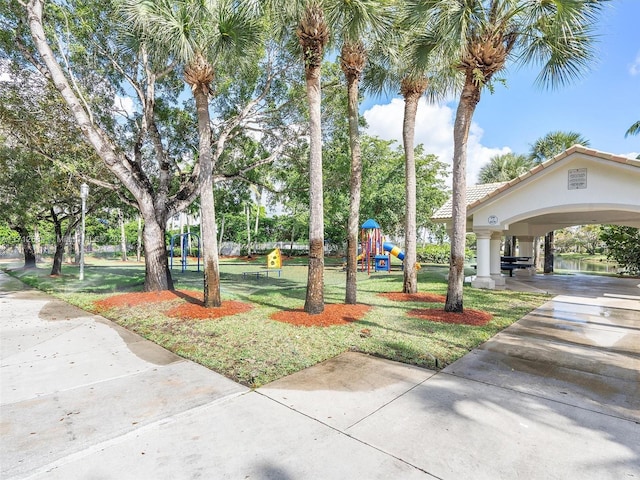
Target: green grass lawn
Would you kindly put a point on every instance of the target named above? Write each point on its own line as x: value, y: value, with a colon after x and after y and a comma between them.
x: 253, y: 349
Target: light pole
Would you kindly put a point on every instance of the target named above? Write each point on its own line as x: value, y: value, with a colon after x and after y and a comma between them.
x: 84, y: 193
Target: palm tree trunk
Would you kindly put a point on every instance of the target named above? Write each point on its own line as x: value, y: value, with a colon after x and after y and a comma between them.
x: 355, y: 188
x: 412, y: 91
x: 314, y: 302
x: 208, y: 217
x: 468, y: 101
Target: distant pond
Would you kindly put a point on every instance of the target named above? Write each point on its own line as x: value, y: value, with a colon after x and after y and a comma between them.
x: 584, y: 265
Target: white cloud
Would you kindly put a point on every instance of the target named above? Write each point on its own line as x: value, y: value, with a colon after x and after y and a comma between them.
x: 634, y: 68
x: 631, y: 155
x: 434, y: 129
x: 124, y: 106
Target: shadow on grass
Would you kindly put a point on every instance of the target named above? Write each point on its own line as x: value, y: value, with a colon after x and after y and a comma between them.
x: 399, y: 351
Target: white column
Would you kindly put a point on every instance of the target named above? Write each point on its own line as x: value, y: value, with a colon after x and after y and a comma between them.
x: 496, y: 274
x: 483, y: 278
x: 526, y: 250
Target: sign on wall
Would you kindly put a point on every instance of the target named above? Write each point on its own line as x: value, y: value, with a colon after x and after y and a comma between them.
x: 577, y: 178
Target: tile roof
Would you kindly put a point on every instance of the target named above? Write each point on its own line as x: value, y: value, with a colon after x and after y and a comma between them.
x: 474, y: 193
x: 478, y: 194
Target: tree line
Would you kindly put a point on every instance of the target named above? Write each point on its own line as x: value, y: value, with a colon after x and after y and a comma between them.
x: 246, y: 66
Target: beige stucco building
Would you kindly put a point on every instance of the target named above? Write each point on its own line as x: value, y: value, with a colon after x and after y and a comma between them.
x: 578, y: 187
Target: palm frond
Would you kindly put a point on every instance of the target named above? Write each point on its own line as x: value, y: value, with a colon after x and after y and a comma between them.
x: 559, y: 37
x: 633, y: 129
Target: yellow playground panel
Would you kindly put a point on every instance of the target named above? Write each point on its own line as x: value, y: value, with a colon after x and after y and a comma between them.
x: 274, y: 259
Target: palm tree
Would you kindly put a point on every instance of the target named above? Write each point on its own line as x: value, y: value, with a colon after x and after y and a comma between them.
x: 352, y: 20
x: 482, y: 35
x: 313, y: 35
x: 505, y: 167
x: 401, y: 61
x: 199, y: 34
x: 411, y: 89
x: 552, y: 144
x: 352, y: 61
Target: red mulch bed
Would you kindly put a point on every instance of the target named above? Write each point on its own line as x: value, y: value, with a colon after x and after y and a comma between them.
x: 193, y: 308
x: 197, y: 310
x: 414, y: 297
x: 333, y: 314
x: 468, y: 317
x: 138, y: 298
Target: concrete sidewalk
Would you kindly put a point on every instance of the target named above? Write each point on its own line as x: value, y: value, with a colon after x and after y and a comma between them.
x: 554, y: 396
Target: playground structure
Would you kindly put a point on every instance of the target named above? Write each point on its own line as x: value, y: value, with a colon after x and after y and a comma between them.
x: 375, y: 253
x: 184, y: 249
x: 274, y: 265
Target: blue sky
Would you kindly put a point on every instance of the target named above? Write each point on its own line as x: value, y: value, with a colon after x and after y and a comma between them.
x: 600, y: 106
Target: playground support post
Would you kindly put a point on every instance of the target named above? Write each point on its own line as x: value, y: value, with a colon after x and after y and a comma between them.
x: 183, y: 250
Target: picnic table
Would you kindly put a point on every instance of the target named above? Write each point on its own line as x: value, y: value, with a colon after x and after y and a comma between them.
x: 262, y: 273
x: 511, y: 263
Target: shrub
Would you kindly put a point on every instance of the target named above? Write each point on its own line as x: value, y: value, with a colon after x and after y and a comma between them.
x: 623, y: 246
x: 435, y: 253
x: 439, y: 254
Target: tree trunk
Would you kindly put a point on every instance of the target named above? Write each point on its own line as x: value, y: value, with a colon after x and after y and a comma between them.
x: 156, y: 262
x: 293, y: 230
x: 548, y: 252
x: 468, y: 101
x: 221, y: 236
x: 123, y: 236
x: 314, y: 302
x: 27, y: 247
x: 208, y: 216
x: 411, y: 98
x: 158, y: 276
x: 58, y: 256
x: 258, y: 205
x: 139, y: 240
x: 355, y: 188
x: 188, y: 234
x: 247, y: 212
x: 37, y: 246
x: 507, y: 246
